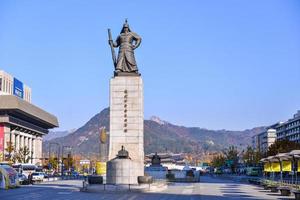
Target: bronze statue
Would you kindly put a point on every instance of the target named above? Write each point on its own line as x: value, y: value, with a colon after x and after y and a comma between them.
x: 155, y: 160
x: 127, y: 42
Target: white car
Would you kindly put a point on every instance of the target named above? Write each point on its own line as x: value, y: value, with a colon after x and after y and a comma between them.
x: 38, y: 176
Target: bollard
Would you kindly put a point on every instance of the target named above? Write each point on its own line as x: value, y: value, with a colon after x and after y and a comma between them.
x: 83, y: 185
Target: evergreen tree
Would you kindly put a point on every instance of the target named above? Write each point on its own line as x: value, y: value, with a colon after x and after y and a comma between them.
x: 282, y: 146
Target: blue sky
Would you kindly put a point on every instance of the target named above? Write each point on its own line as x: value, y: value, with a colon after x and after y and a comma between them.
x: 214, y: 64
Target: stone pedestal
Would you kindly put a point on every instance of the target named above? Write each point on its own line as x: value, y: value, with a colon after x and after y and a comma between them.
x: 127, y: 120
x: 123, y: 171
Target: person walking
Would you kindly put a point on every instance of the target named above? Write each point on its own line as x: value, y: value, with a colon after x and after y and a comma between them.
x: 30, y: 178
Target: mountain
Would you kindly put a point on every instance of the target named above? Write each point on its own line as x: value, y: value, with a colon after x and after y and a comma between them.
x: 159, y: 136
x: 55, y: 134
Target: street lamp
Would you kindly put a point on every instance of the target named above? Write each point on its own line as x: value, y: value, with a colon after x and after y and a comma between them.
x: 58, y: 145
x: 62, y: 159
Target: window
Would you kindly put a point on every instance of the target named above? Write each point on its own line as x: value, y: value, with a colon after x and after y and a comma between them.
x: 4, y: 85
x: 0, y: 84
x: 7, y: 86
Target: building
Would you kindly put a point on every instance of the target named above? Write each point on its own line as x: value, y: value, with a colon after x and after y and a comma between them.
x: 22, y: 124
x: 12, y: 86
x: 167, y: 159
x: 290, y: 129
x: 263, y: 140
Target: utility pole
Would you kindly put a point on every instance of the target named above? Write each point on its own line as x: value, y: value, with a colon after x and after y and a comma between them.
x: 62, y: 159
x: 58, y: 150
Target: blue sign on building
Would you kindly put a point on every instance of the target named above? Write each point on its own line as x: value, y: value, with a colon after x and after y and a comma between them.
x: 18, y: 88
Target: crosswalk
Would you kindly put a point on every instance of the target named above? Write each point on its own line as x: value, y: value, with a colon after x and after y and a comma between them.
x: 188, y: 190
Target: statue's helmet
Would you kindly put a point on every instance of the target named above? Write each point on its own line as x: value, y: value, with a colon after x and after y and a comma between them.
x: 125, y: 25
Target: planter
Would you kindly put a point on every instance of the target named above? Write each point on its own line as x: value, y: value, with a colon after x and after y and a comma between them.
x: 273, y: 188
x: 297, y: 195
x: 94, y: 179
x: 145, y: 179
x: 266, y: 187
x: 170, y: 176
x: 285, y: 191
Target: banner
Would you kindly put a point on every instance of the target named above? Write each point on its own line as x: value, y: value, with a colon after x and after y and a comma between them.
x: 286, y: 166
x: 267, y: 167
x: 298, y: 168
x: 18, y: 88
x: 1, y: 142
x: 100, y: 168
x: 275, y: 167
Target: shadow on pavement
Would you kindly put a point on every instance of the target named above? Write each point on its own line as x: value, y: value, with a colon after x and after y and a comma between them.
x: 56, y: 185
x: 50, y: 193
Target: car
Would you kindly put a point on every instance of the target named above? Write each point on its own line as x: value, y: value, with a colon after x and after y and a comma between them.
x: 252, y: 171
x: 46, y: 175
x: 23, y: 180
x: 66, y: 173
x: 74, y: 173
x: 218, y: 171
x: 55, y: 174
x: 38, y: 176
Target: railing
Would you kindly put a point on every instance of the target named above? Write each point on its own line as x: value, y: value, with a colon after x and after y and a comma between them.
x: 56, y: 178
x: 79, y: 177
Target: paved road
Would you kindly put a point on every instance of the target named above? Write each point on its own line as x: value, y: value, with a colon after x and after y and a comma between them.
x: 208, y: 189
x: 220, y: 189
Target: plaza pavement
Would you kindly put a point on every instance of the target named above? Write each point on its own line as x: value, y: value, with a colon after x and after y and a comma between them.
x: 208, y: 189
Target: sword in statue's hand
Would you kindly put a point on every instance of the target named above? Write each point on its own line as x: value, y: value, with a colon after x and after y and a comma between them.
x: 110, y: 41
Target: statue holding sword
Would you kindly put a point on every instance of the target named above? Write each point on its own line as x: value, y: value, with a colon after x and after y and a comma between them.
x: 127, y: 42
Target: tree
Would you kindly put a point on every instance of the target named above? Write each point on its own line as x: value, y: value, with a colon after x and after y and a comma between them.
x: 53, y: 161
x: 282, y: 146
x: 10, y: 150
x: 251, y: 157
x: 68, y: 162
x: 218, y: 160
x: 232, y: 158
x: 22, y: 155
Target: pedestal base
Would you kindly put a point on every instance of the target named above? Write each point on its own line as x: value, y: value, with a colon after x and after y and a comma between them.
x: 126, y: 129
x: 123, y: 171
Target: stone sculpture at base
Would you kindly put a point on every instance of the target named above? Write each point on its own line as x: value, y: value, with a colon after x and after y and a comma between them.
x: 122, y: 170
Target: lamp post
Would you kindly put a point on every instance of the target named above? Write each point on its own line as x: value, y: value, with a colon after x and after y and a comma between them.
x: 58, y: 145
x: 62, y: 159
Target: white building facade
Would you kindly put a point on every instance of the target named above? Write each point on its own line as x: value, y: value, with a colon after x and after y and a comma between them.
x: 10, y: 85
x: 262, y: 141
x: 22, y: 124
x: 290, y: 129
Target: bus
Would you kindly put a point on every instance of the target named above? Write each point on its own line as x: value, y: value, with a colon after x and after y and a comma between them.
x: 252, y: 171
x: 8, y: 177
x: 25, y: 168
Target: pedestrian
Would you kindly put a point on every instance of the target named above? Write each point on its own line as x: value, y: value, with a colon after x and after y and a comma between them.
x: 30, y: 178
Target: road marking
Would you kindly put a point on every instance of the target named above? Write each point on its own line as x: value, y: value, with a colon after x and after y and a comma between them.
x: 132, y: 197
x: 123, y: 197
x: 64, y: 192
x: 187, y: 191
x: 190, y: 186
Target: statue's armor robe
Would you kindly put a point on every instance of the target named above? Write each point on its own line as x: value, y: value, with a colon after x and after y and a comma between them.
x: 126, y: 60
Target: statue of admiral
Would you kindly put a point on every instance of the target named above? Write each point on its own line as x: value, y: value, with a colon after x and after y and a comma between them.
x: 127, y: 42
